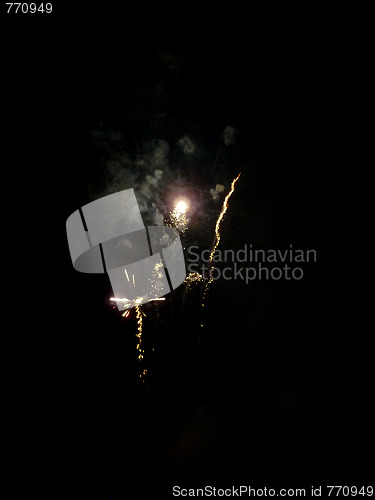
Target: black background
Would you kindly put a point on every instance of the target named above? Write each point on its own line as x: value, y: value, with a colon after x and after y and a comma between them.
x: 276, y: 389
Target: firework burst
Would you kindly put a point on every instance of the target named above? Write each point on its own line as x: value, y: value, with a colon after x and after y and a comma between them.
x: 178, y: 218
x: 193, y: 278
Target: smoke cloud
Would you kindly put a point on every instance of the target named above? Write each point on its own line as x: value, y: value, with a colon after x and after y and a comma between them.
x: 142, y: 168
x: 215, y: 192
x: 187, y: 145
x: 229, y: 135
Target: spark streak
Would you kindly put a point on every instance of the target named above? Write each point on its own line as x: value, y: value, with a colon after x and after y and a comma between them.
x: 217, y: 233
x: 136, y: 303
x: 129, y: 303
x: 140, y: 349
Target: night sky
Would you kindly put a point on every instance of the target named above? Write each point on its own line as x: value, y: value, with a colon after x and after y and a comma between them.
x: 275, y: 389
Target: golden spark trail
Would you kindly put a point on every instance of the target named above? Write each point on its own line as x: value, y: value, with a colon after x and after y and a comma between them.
x: 221, y: 216
x: 136, y: 303
x: 140, y: 349
x: 217, y: 232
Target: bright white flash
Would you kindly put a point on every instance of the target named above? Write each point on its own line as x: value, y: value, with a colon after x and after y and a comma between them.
x: 181, y: 207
